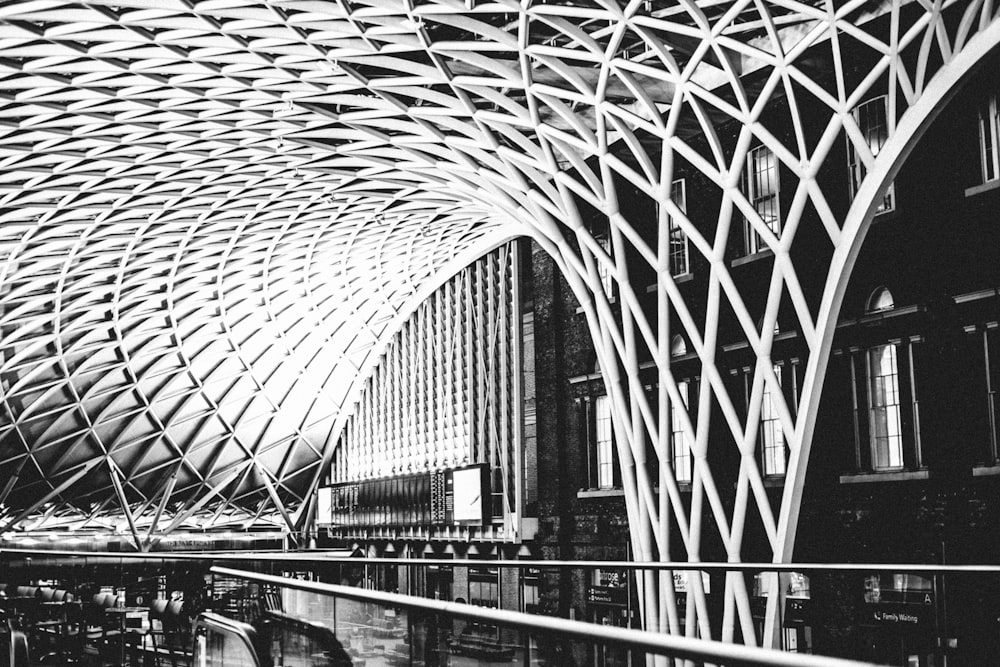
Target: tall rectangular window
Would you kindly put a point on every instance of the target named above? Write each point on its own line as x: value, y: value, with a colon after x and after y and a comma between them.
x: 603, y: 269
x: 605, y: 443
x: 991, y: 368
x: 680, y: 443
x: 989, y: 138
x: 772, y: 434
x: 884, y: 406
x: 872, y: 120
x: 762, y: 191
x: 678, y: 239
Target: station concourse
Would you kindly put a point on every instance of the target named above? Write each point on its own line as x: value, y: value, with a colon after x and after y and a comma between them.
x: 482, y: 326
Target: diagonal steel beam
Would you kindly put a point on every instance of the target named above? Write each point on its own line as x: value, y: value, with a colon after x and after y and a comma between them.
x: 200, y: 503
x: 54, y: 493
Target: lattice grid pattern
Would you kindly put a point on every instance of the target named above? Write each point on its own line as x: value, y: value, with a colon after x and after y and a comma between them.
x: 170, y: 169
x: 445, y: 393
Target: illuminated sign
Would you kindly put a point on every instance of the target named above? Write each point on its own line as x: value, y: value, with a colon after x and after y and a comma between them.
x: 442, y: 497
x: 902, y: 615
x: 469, y: 490
x: 324, y: 504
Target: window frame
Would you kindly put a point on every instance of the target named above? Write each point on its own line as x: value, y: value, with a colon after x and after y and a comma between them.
x: 885, y: 413
x: 681, y: 460
x: 676, y: 236
x: 604, y: 448
x: 604, y: 271
x: 885, y: 401
x: 770, y: 424
x: 770, y: 201
x: 989, y: 129
x: 989, y: 346
x: 856, y: 169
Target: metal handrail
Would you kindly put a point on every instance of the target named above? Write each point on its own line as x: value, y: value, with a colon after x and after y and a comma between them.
x: 709, y: 566
x: 223, y: 625
x: 702, y: 650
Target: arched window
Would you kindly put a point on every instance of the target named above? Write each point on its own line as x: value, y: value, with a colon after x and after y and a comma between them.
x: 678, y: 348
x: 880, y: 300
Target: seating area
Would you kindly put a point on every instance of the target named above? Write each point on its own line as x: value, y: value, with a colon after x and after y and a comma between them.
x: 52, y: 626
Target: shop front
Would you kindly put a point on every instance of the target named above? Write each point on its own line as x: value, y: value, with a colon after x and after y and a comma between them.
x: 796, y: 612
x: 900, y: 620
x: 607, y: 604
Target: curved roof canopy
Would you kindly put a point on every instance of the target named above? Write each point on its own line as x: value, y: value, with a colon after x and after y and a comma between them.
x: 214, y: 213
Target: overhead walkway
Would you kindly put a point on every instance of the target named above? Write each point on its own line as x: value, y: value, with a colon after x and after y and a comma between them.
x: 215, y: 215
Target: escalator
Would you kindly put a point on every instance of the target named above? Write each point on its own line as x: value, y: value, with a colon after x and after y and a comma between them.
x: 223, y: 642
x: 276, y: 639
x: 13, y: 646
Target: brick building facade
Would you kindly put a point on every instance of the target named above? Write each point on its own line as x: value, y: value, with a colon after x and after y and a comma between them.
x: 904, y: 464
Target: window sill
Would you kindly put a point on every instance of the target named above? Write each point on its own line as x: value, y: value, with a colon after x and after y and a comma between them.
x: 888, y: 476
x: 600, y: 493
x: 746, y: 259
x: 983, y: 187
x: 678, y: 280
x: 885, y: 216
x: 986, y: 470
x: 585, y: 378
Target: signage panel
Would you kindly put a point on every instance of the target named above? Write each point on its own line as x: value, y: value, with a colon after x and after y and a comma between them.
x: 901, y: 616
x: 324, y: 505
x: 797, y: 612
x: 469, y: 489
x: 458, y: 496
x: 616, y: 596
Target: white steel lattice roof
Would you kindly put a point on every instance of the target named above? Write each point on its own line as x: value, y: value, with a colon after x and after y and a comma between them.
x: 206, y: 228
x: 213, y: 214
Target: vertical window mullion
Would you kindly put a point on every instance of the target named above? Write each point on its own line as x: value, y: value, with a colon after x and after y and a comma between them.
x: 750, y: 234
x: 762, y: 190
x: 990, y: 399
x: 604, y: 271
x: 679, y: 441
x: 603, y: 440
x: 886, y: 425
x: 772, y: 434
x: 989, y: 139
x: 917, y: 449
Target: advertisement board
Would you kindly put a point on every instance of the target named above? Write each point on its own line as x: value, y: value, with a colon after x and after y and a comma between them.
x: 469, y: 490
x: 458, y: 496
